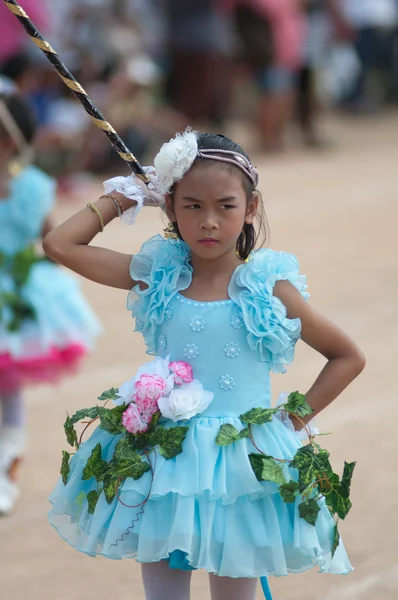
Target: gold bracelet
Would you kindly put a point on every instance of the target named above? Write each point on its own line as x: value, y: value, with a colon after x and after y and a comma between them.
x: 115, y: 202
x: 97, y: 212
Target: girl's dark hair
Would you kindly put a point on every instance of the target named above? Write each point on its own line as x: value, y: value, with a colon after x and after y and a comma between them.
x: 22, y: 115
x: 251, y: 235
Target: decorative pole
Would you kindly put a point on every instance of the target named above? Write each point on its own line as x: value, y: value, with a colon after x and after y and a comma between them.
x: 77, y: 89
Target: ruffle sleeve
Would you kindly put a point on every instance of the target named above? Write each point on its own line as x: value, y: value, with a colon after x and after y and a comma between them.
x: 163, y: 265
x: 251, y: 288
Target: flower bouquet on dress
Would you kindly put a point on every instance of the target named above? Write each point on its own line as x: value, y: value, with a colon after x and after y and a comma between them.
x: 160, y: 389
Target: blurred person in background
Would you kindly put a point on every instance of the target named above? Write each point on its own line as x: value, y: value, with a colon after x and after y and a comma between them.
x: 46, y: 325
x: 326, y: 24
x: 135, y: 108
x: 13, y: 38
x: 199, y: 45
x: 374, y: 23
x: 272, y: 36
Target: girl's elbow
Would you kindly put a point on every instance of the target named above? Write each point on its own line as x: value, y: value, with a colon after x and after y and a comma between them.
x: 359, y: 362
x: 51, y: 247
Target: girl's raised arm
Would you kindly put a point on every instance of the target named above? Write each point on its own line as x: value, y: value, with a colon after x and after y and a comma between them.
x: 68, y: 245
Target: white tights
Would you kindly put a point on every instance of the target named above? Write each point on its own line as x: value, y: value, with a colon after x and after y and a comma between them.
x: 163, y: 583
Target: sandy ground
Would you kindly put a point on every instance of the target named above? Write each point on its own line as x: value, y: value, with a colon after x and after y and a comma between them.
x: 338, y: 212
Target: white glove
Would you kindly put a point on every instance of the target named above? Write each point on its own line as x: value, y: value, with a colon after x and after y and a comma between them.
x: 134, y: 188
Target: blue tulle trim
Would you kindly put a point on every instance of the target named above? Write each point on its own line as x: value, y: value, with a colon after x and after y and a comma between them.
x: 163, y: 266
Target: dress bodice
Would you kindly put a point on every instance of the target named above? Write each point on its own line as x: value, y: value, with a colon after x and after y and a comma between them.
x: 233, y: 344
x: 24, y: 211
x: 212, y: 338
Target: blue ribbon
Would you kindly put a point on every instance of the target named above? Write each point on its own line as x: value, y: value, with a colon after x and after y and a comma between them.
x: 266, y: 588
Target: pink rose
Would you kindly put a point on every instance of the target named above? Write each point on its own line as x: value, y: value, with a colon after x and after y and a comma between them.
x: 150, y: 386
x: 147, y: 407
x: 182, y: 372
x: 132, y: 421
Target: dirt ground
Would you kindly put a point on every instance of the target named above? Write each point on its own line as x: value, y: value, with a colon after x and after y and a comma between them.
x: 338, y: 212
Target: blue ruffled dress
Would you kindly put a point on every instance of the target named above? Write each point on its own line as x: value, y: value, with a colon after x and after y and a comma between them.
x: 206, y: 509
x: 62, y: 329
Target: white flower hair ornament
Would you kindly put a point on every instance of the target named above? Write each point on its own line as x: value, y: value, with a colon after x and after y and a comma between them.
x: 175, y: 158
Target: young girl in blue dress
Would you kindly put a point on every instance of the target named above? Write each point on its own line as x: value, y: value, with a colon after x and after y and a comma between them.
x: 218, y: 316
x: 46, y: 326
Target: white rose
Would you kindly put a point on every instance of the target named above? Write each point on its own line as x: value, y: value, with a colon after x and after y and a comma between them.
x: 185, y: 402
x: 158, y: 366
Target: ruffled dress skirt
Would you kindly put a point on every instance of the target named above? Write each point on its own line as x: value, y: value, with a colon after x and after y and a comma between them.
x: 203, y: 509
x: 52, y: 343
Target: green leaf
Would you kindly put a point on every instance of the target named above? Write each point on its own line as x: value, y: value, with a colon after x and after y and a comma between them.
x: 111, y: 394
x: 134, y: 467
x: 337, y: 502
x: 311, y: 465
x: 95, y: 466
x: 22, y: 264
x: 110, y: 488
x: 90, y: 413
x: 155, y: 420
x: 169, y: 440
x: 297, y: 404
x: 70, y: 432
x: 347, y: 478
x: 244, y: 433
x: 266, y: 468
x: 65, y: 469
x: 80, y: 498
x: 92, y: 499
x: 111, y: 419
x: 258, y: 416
x: 289, y: 491
x: 336, y: 539
x: 309, y: 511
x: 125, y: 448
x: 228, y: 434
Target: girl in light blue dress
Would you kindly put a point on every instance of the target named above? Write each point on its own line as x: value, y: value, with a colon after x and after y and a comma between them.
x: 189, y: 467
x: 46, y: 325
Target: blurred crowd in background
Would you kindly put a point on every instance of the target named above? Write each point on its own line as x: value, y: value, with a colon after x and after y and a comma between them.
x: 155, y: 66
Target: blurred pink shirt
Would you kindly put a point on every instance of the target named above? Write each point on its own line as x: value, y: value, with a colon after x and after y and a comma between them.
x: 13, y: 38
x: 288, y: 26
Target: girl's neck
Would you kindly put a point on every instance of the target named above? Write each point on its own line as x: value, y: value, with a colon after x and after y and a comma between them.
x: 218, y: 271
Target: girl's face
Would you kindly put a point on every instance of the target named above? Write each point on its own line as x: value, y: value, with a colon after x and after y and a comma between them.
x: 210, y: 207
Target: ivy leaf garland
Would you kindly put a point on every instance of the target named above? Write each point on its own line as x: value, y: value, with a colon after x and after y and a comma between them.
x: 130, y: 456
x: 92, y: 499
x: 266, y: 468
x: 111, y: 394
x: 228, y: 434
x: 169, y: 440
x: 65, y: 469
x: 316, y: 478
